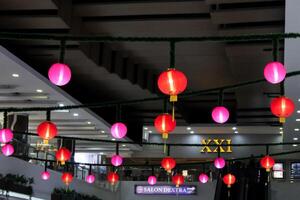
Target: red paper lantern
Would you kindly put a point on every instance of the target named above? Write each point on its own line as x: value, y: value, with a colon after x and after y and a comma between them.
x: 229, y: 180
x: 67, y: 178
x: 168, y: 163
x: 282, y: 107
x: 164, y: 124
x: 267, y: 162
x: 47, y: 131
x: 172, y: 82
x: 178, y: 180
x: 63, y: 155
x: 112, y: 178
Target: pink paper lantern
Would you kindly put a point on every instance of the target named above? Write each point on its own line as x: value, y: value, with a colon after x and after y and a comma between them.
x: 203, y: 178
x: 118, y: 130
x: 59, y: 74
x: 152, y: 180
x: 45, y: 175
x: 220, y: 114
x: 6, y: 135
x: 116, y: 160
x: 219, y: 163
x: 8, y: 150
x: 274, y: 72
x: 90, y: 179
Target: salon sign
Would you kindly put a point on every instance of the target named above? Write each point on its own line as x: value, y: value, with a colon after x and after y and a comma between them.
x: 165, y: 190
x: 221, y: 145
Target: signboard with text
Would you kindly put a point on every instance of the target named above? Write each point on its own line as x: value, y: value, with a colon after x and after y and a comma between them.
x: 165, y: 190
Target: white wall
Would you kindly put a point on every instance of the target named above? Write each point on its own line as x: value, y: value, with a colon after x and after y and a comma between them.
x: 43, y: 189
x: 204, y: 192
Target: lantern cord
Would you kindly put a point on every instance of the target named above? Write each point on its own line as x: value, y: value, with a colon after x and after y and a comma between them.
x: 221, y: 97
x: 275, y: 49
x: 282, y: 89
x: 90, y: 170
x: 136, y: 101
x: 219, y: 152
x: 48, y: 115
x: 168, y: 150
x: 46, y: 162
x: 173, y: 111
x: 62, y: 51
x: 165, y: 106
x: 117, y: 148
x: 172, y: 54
x: 203, y: 167
x: 267, y: 149
x: 118, y: 113
x: 157, y: 165
x: 5, y: 119
x: 152, y: 170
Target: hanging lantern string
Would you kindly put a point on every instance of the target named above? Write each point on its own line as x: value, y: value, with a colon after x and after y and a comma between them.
x: 168, y: 150
x: 161, y: 144
x: 62, y: 51
x: 275, y: 49
x: 172, y: 54
x: 267, y: 149
x: 46, y: 163
x: 90, y: 170
x: 157, y: 165
x: 165, y: 105
x: 152, y: 170
x: 136, y: 101
x: 48, y: 115
x: 117, y: 148
x: 203, y: 167
x: 5, y: 119
x: 221, y: 96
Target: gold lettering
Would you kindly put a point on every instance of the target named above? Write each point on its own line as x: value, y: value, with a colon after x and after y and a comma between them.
x: 206, y: 148
x: 219, y: 142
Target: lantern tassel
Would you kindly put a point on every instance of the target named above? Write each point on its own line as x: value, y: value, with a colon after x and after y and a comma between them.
x: 173, y: 111
x: 282, y: 120
x: 46, y: 141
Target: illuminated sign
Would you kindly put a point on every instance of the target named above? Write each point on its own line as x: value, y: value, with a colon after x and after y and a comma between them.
x: 219, y: 146
x: 165, y: 190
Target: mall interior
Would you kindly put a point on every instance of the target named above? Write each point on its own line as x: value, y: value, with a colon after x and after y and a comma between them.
x: 149, y: 99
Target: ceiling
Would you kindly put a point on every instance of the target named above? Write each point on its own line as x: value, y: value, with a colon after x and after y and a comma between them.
x: 123, y: 71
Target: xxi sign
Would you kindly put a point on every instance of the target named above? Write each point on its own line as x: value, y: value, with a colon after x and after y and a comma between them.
x: 219, y: 145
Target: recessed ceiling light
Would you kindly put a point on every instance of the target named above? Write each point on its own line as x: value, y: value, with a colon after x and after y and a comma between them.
x: 188, y: 128
x: 234, y: 128
x: 295, y: 145
x: 89, y: 122
x: 236, y: 132
x: 101, y: 153
x: 297, y: 120
x: 295, y: 138
x: 39, y: 90
x: 145, y: 128
x: 113, y: 139
x: 15, y: 75
x: 296, y: 129
x: 75, y: 114
x: 281, y: 132
x: 150, y: 131
x: 281, y: 128
x: 298, y: 111
x: 123, y: 145
x: 102, y: 131
x: 61, y: 105
x: 299, y: 100
x: 192, y: 132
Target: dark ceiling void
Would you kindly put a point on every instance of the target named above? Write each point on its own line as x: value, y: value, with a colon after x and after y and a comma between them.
x: 128, y: 1
x: 157, y: 17
x: 136, y: 73
x: 247, y: 5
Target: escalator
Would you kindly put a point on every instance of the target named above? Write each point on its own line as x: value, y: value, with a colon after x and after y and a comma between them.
x: 251, y: 183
